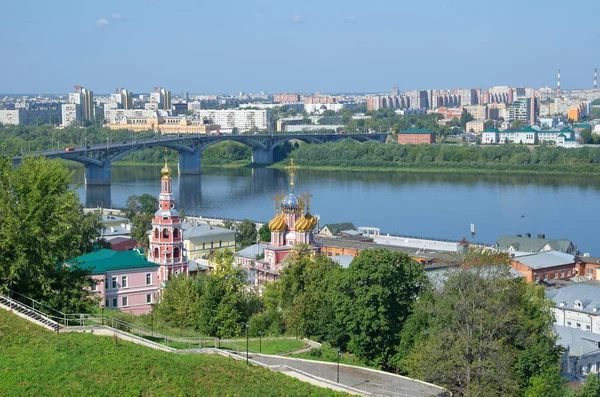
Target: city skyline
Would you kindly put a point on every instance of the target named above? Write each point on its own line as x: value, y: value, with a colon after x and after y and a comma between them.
x: 278, y: 47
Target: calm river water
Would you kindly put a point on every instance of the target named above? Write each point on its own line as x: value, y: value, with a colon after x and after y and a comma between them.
x: 407, y: 203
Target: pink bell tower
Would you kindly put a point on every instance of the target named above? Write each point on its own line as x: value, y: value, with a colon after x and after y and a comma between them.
x: 166, y: 242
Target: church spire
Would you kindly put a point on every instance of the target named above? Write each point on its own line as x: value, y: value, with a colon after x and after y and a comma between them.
x: 291, y: 169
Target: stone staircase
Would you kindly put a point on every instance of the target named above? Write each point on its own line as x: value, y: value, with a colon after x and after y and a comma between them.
x: 28, y: 313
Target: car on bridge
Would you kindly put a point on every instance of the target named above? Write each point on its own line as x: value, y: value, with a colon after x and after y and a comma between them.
x: 70, y: 149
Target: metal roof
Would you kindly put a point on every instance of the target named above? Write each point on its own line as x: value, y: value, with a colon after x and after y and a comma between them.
x: 586, y: 294
x: 542, y: 260
x: 252, y: 251
x: 578, y: 341
x: 106, y: 260
x: 203, y: 230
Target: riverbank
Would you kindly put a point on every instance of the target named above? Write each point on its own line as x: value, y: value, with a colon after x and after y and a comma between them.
x: 454, y: 168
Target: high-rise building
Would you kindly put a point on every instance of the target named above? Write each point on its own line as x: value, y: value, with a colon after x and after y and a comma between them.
x: 71, y: 114
x: 123, y: 98
x: 161, y: 97
x: 242, y: 119
x: 84, y: 99
x: 525, y: 109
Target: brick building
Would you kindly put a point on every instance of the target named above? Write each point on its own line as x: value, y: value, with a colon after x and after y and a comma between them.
x: 547, y: 265
x: 415, y: 137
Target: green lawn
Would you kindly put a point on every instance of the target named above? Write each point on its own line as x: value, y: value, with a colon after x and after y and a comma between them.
x: 37, y: 362
x: 330, y: 354
x: 271, y: 346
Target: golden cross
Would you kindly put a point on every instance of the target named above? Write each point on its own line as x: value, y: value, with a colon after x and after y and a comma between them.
x: 291, y: 169
x: 166, y: 153
x: 306, y: 200
x: 277, y: 199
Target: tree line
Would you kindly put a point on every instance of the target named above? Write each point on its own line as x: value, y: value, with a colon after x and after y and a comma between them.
x: 505, y: 156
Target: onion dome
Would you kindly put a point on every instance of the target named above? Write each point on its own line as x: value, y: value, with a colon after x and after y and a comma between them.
x: 306, y: 223
x: 277, y: 224
x: 166, y: 171
x: 291, y: 203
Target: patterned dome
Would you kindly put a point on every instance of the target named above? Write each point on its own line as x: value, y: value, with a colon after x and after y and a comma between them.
x: 306, y: 223
x: 290, y: 203
x: 277, y: 224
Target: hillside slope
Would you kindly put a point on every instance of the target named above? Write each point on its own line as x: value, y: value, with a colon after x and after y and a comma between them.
x: 36, y: 362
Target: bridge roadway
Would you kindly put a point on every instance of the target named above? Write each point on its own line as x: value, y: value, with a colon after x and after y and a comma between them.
x: 98, y: 158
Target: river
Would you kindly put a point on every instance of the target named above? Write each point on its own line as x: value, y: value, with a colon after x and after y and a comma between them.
x: 407, y: 203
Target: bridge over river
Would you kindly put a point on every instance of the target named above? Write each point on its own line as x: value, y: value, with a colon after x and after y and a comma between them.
x: 98, y: 158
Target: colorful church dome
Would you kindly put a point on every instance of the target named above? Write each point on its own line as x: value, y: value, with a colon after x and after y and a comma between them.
x: 277, y: 224
x: 306, y: 223
x: 291, y: 203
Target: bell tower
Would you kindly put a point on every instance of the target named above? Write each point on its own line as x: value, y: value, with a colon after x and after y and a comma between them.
x: 166, y: 241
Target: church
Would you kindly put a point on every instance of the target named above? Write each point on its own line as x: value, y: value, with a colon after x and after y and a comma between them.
x: 293, y: 224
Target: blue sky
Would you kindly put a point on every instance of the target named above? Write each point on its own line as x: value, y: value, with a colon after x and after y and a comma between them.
x: 228, y: 46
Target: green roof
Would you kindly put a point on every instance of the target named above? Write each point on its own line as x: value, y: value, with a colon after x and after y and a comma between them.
x: 582, y: 125
x: 532, y: 244
x: 416, y: 131
x: 561, y: 135
x: 528, y: 129
x: 336, y: 228
x: 492, y: 129
x: 106, y: 260
x: 566, y: 129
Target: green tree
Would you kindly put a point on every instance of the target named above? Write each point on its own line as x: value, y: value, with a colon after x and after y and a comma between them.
x: 264, y: 233
x: 42, y: 225
x: 141, y: 224
x: 586, y: 136
x: 144, y: 204
x: 180, y: 301
x: 465, y: 117
x: 375, y: 299
x: 246, y: 234
x: 517, y: 124
x: 482, y: 332
x: 591, y: 387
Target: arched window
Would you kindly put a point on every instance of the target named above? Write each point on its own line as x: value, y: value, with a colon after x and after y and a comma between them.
x: 156, y: 233
x: 156, y: 250
x: 165, y: 233
x: 176, y: 253
x: 175, y: 233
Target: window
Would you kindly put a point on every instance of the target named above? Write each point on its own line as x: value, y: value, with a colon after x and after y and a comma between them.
x: 124, y: 301
x: 114, y: 302
x: 105, y: 283
x: 578, y: 326
x: 148, y: 278
x: 175, y: 233
x: 587, y: 327
x: 156, y: 254
x: 94, y: 286
x: 568, y: 323
x: 114, y: 283
x: 203, y: 246
x: 124, y: 282
x: 156, y: 233
x: 165, y: 233
x: 106, y: 302
x: 590, y: 271
x: 149, y: 298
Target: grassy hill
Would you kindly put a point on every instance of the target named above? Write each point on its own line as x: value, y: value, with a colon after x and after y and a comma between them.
x: 37, y: 362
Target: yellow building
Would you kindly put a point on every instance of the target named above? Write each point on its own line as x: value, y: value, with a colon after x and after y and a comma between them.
x: 166, y: 125
x: 200, y: 240
x: 573, y: 114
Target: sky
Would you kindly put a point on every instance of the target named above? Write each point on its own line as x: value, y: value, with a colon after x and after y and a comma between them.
x: 332, y: 46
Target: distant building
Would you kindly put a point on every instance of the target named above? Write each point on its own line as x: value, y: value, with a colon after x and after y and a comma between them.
x: 524, y: 109
x: 476, y: 126
x: 242, y: 119
x: 577, y: 306
x: 533, y: 244
x: 490, y: 136
x: 162, y: 98
x: 29, y: 116
x: 83, y: 109
x: 527, y: 136
x: 553, y: 136
x: 335, y: 229
x: 415, y: 137
x: 582, y: 351
x: 285, y: 98
x: 71, y: 114
x: 165, y: 125
x: 321, y: 107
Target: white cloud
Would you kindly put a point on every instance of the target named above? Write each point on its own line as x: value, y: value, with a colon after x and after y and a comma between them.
x: 297, y: 18
x: 350, y: 19
x: 117, y: 16
x: 102, y: 22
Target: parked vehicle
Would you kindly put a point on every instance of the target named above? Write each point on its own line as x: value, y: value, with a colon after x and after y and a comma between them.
x: 70, y: 149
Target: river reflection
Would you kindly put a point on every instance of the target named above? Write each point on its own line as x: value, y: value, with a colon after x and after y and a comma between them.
x: 413, y: 203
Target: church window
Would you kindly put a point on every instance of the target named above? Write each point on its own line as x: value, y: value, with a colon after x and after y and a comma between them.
x: 156, y: 233
x: 156, y: 252
x: 148, y: 278
x: 165, y: 233
x: 176, y: 253
x: 175, y: 233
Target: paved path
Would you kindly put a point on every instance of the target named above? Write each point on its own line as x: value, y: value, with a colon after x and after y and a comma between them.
x: 375, y: 382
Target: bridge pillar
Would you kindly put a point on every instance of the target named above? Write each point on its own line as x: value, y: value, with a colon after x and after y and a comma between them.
x: 97, y: 175
x: 262, y: 156
x: 190, y: 162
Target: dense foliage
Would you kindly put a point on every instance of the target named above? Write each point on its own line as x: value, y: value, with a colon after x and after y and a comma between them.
x: 42, y: 225
x: 495, y: 157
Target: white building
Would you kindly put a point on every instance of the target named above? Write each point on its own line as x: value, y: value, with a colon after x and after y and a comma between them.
x: 553, y: 136
x: 490, y: 136
x: 242, y: 119
x: 71, y: 113
x: 29, y: 116
x: 577, y: 306
x: 321, y: 107
x: 112, y: 115
x: 527, y: 136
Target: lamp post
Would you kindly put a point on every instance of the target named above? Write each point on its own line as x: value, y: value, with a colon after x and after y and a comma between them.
x: 260, y: 342
x: 338, y: 364
x: 102, y: 314
x: 152, y: 323
x: 247, y: 344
